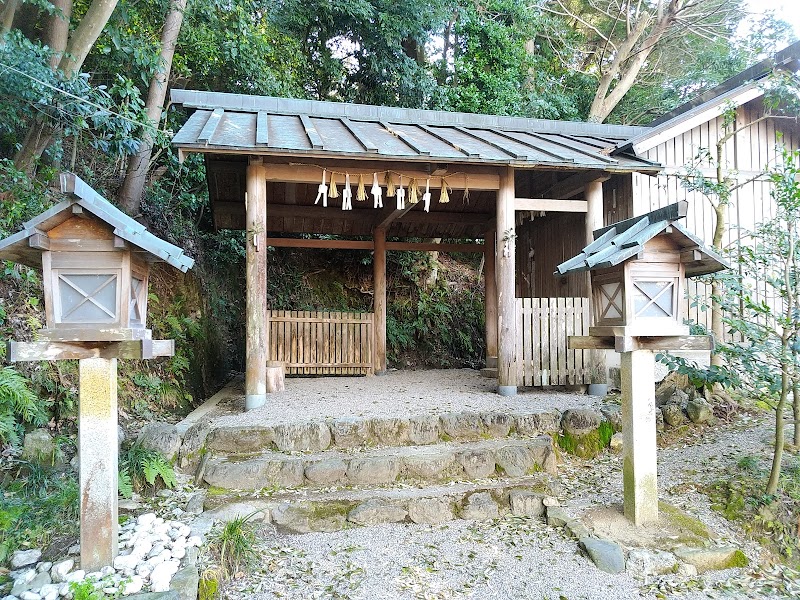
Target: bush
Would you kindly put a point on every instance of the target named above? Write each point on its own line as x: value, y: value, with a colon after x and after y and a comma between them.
x: 18, y: 406
x: 142, y: 469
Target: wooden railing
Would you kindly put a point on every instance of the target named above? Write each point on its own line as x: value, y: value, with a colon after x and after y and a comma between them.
x: 543, y: 326
x: 322, y: 342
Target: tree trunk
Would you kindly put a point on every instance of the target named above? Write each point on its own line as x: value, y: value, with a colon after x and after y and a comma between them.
x: 796, y: 406
x: 7, y: 15
x: 130, y: 194
x: 777, y: 454
x: 57, y: 33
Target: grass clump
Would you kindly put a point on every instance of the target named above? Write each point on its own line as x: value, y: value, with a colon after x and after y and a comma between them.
x: 233, y: 547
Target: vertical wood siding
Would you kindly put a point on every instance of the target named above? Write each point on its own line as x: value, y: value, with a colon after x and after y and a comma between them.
x: 322, y: 342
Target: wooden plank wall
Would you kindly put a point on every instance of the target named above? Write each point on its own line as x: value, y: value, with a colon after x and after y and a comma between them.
x: 322, y: 342
x: 543, y: 243
x: 543, y: 326
x: 749, y: 152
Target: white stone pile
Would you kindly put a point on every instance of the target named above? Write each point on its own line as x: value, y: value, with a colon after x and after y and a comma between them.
x: 151, y: 551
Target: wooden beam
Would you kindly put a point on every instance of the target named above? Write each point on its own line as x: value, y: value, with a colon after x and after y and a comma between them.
x: 312, y: 133
x: 550, y: 205
x: 393, y: 216
x: 262, y: 128
x: 257, y: 330
x: 279, y: 211
x: 211, y: 126
x: 369, y: 245
x: 574, y: 184
x: 490, y: 298
x: 40, y: 241
x: 506, y: 288
x: 133, y: 349
x: 302, y: 173
x: 379, y: 299
x: 679, y: 342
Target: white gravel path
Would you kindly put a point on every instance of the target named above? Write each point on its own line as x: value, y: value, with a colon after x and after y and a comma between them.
x: 396, y: 394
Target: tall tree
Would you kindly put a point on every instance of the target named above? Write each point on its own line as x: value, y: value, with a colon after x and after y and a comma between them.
x: 131, y: 191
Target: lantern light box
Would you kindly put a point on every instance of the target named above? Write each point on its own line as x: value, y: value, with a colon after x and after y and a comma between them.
x: 95, y: 262
x: 638, y: 269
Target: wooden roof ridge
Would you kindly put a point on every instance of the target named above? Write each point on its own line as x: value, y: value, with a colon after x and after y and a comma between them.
x: 617, y: 243
x: 365, y: 112
x: 80, y: 193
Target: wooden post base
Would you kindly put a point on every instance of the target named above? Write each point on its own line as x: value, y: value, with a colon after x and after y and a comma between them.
x: 275, y: 377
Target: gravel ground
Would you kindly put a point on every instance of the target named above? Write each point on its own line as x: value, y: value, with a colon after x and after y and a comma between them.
x: 510, y: 558
x: 396, y: 394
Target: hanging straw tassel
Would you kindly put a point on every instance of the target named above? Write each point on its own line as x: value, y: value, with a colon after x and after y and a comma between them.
x: 444, y: 197
x: 361, y: 192
x: 412, y: 192
x: 390, y: 187
x: 464, y: 198
x: 333, y: 191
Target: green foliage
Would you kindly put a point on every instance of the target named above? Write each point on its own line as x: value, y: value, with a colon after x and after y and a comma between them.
x: 36, y: 504
x: 18, y: 406
x: 701, y: 377
x: 143, y: 469
x: 234, y: 545
x: 589, y: 445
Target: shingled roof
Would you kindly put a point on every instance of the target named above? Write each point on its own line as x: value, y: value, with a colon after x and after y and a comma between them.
x: 617, y: 243
x: 16, y: 247
x: 260, y: 125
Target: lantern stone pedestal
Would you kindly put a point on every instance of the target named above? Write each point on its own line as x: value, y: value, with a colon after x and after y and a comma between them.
x: 97, y: 431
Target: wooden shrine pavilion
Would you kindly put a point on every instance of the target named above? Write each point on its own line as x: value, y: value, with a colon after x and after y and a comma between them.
x: 528, y: 193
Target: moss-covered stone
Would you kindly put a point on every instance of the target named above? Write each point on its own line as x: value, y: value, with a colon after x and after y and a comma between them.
x: 589, y: 445
x: 689, y: 529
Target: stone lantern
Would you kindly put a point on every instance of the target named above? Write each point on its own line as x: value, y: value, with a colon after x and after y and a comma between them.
x: 638, y: 270
x: 95, y: 262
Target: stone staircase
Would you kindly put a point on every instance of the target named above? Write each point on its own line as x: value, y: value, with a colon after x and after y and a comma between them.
x: 328, y: 475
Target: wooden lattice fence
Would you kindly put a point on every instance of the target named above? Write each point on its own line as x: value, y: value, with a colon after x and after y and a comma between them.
x: 322, y: 342
x: 543, y: 326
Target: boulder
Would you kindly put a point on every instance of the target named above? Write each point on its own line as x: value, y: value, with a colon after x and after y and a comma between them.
x: 605, y: 554
x: 38, y: 447
x: 699, y: 411
x: 161, y: 437
x: 643, y: 563
x: 465, y: 426
x: 497, y: 425
x: 429, y: 465
x: 613, y: 414
x: 59, y: 570
x: 579, y: 422
x: 659, y: 420
x: 516, y: 461
x: 23, y: 558
x: 194, y: 505
x: 391, y: 432
x: 674, y: 389
x: 525, y: 503
x: 431, y: 511
x: 534, y: 424
x: 185, y: 583
x: 302, y: 437
x: 373, y: 470
x: 577, y: 529
x: 715, y: 558
x: 350, y: 432
x: 255, y: 473
x: 243, y: 439
x: 557, y: 516
x: 328, y: 471
x: 192, y: 445
x: 617, y: 441
x: 673, y: 415
x: 377, y: 511
x: 257, y: 510
x: 424, y: 429
x: 477, y: 464
x: 480, y: 506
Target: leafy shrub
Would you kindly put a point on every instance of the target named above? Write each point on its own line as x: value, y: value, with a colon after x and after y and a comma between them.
x: 18, y: 405
x: 142, y: 469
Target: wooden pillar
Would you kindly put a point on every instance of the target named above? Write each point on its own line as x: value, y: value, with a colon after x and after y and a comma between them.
x: 99, y: 468
x: 639, y: 437
x: 379, y: 299
x: 490, y: 298
x: 506, y: 292
x: 594, y: 220
x: 257, y: 340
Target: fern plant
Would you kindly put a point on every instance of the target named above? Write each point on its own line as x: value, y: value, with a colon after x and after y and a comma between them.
x: 142, y: 469
x: 18, y: 405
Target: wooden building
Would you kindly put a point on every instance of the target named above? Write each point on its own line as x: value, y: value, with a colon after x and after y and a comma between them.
x: 526, y: 192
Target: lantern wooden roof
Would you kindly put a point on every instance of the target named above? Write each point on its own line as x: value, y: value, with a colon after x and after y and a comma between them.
x: 617, y: 243
x: 25, y: 246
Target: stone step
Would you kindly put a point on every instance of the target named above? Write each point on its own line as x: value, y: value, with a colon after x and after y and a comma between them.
x: 304, y: 512
x: 358, y: 432
x: 383, y: 466
x: 489, y: 372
